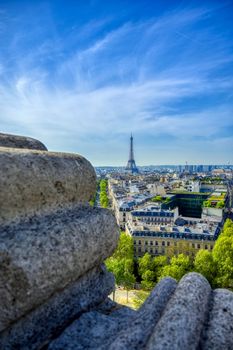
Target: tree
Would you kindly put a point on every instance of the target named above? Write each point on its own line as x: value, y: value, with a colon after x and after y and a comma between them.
x: 207, y: 204
x: 146, y: 271
x: 182, y: 248
x: 205, y: 264
x: 157, y: 199
x: 121, y: 263
x: 220, y: 204
x: 104, y: 202
x: 178, y: 267
x: 149, y: 269
x: 223, y: 256
x: 158, y: 264
x: 125, y: 247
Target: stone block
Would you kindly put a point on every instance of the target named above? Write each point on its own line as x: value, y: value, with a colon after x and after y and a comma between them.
x: 16, y: 141
x: 43, y: 254
x: 182, y: 321
x: 33, y: 181
x: 48, y: 320
x: 218, y: 333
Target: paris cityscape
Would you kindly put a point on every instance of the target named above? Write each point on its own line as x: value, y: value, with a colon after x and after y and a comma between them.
x: 116, y: 175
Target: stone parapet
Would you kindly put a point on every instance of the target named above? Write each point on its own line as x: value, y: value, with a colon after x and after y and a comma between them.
x: 52, y: 243
x: 44, y: 253
x: 16, y: 141
x: 49, y: 319
x: 33, y: 181
x: 183, y: 316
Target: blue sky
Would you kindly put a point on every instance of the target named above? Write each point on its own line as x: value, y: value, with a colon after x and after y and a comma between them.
x: 82, y: 75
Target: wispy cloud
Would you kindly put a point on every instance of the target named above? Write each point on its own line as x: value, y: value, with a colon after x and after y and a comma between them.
x: 168, y: 75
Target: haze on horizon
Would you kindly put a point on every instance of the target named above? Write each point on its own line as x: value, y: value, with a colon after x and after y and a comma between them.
x: 82, y: 76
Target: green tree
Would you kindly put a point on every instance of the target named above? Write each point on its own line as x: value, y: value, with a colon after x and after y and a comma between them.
x: 157, y: 199
x: 205, y: 264
x: 223, y: 256
x: 220, y: 204
x: 121, y: 263
x: 158, y: 264
x: 145, y: 263
x: 125, y: 247
x: 150, y: 269
x: 104, y: 201
x: 178, y: 267
x: 207, y: 204
x: 146, y: 271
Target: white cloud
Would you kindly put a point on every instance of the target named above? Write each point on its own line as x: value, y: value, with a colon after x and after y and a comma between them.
x: 123, y: 81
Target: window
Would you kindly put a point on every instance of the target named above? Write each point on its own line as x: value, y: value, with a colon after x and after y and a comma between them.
x: 156, y: 243
x: 139, y: 242
x: 151, y: 242
x: 146, y: 242
x: 206, y: 246
x: 134, y: 242
x: 198, y: 246
x: 163, y: 243
x: 151, y: 250
x: 168, y: 244
x: 139, y: 249
x: 193, y: 245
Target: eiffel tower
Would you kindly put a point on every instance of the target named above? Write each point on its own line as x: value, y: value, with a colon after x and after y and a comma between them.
x: 131, y: 165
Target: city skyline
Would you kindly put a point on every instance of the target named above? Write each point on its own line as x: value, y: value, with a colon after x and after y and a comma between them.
x: 82, y: 77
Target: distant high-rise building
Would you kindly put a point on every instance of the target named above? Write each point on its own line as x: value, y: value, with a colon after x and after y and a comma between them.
x: 131, y: 165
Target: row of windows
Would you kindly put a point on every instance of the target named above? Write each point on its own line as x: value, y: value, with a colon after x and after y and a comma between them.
x: 156, y: 220
x: 158, y: 250
x: 163, y: 243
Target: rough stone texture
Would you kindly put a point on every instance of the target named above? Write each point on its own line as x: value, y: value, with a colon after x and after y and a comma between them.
x: 16, y: 141
x: 218, y: 332
x: 188, y: 316
x: 91, y: 330
x: 143, y: 322
x: 56, y: 313
x: 45, y: 253
x: 33, y: 181
x: 123, y: 329
x: 108, y: 306
x: 181, y: 323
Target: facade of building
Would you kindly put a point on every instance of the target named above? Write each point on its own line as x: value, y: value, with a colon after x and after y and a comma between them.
x: 164, y: 232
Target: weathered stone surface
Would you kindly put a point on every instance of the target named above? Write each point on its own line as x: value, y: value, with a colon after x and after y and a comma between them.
x: 92, y: 330
x: 183, y: 319
x: 107, y: 306
x: 50, y: 318
x: 186, y: 319
x: 45, y: 253
x: 140, y: 328
x: 122, y: 329
x: 88, y: 332
x: 16, y: 141
x: 33, y: 181
x: 218, y: 333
